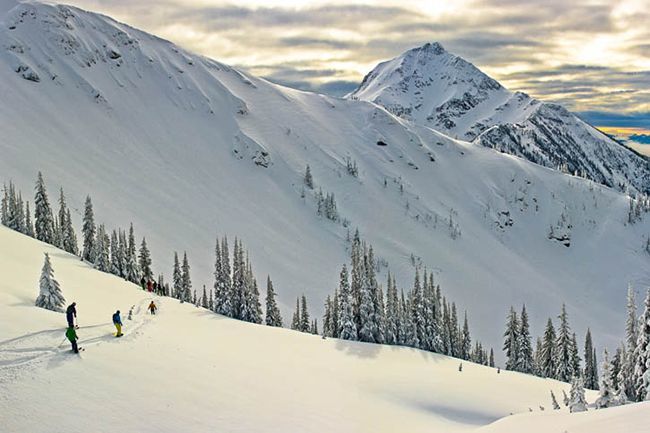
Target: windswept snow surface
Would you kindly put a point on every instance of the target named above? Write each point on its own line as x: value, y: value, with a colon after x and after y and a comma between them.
x: 188, y: 149
x: 190, y: 370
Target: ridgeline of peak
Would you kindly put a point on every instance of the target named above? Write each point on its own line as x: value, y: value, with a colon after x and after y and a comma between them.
x: 432, y: 87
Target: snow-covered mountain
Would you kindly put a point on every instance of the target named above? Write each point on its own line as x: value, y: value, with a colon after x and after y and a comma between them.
x: 188, y: 148
x: 433, y: 87
x: 189, y: 370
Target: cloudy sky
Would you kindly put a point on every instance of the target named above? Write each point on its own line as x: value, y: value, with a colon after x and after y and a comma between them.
x: 591, y: 55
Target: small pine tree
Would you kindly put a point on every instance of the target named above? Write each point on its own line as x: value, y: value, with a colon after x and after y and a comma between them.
x: 606, y: 396
x: 177, y: 279
x: 554, y: 402
x: 578, y: 402
x: 511, y: 336
x: 88, y: 232
x: 309, y: 180
x: 145, y: 260
x: 304, y: 315
x: 273, y: 317
x: 186, y: 281
x: 50, y: 296
x: 295, y: 320
x: 44, y: 218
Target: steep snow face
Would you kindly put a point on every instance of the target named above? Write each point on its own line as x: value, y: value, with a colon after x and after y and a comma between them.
x: 187, y: 369
x: 188, y: 148
x: 433, y: 87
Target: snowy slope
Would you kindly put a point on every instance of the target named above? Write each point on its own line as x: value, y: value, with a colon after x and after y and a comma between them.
x: 190, y: 370
x: 433, y: 87
x: 188, y: 148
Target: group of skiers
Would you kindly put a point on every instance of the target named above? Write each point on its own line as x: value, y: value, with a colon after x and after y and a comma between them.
x: 71, y: 315
x: 151, y: 286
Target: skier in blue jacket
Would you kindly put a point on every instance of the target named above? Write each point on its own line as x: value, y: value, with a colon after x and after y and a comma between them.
x: 117, y: 321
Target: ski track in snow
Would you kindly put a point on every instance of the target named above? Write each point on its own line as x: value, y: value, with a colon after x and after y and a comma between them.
x: 26, y: 353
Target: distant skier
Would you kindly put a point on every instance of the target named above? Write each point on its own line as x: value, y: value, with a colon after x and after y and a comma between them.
x: 152, y: 308
x: 71, y: 314
x: 71, y: 334
x: 155, y: 287
x: 143, y: 283
x: 149, y: 286
x: 117, y: 321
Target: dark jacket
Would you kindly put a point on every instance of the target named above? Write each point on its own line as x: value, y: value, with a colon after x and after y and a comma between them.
x: 70, y: 312
x: 116, y: 319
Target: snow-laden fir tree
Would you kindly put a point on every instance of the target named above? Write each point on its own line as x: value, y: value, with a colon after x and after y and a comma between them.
x: 50, y: 296
x: 132, y: 269
x: 548, y: 364
x: 465, y: 339
x: 177, y: 279
x: 631, y: 336
x: 29, y: 227
x: 554, y: 402
x: 606, y: 395
x: 314, y: 327
x: 102, y: 250
x: 347, y: 327
x: 221, y: 296
x: 273, y: 317
x: 309, y: 180
x: 578, y: 402
x: 186, y: 282
x: 563, y: 349
x: 575, y: 356
x: 44, y: 219
x: 491, y: 361
x: 511, y: 336
x: 410, y: 328
x: 238, y: 277
x: 115, y: 254
x: 391, y: 312
x: 144, y: 260
x: 304, y: 315
x: 524, y: 358
x: 295, y: 319
x: 205, y: 302
x: 327, y: 318
x: 67, y: 235
x: 641, y: 352
x: 590, y: 373
x: 88, y: 232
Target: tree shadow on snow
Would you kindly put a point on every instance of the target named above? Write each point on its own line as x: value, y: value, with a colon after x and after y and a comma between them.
x: 358, y: 349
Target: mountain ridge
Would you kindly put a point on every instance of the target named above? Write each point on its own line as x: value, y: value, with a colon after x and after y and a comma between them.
x: 430, y: 86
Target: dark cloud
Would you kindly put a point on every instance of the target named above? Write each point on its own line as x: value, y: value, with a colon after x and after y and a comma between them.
x: 637, y: 120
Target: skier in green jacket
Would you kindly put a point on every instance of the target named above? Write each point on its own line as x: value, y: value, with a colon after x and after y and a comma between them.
x: 72, y: 336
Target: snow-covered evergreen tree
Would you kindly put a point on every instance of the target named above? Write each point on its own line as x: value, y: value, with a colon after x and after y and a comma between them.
x: 391, y: 312
x: 347, y: 327
x: 132, y: 270
x: 590, y: 373
x: 606, y: 395
x: 102, y: 250
x: 327, y: 318
x: 641, y: 352
x: 44, y: 219
x: 465, y: 340
x: 511, y: 336
x: 563, y: 349
x: 631, y: 337
x: 29, y: 227
x: 186, y: 281
x: 273, y: 317
x: 578, y: 402
x: 144, y: 260
x: 575, y: 357
x: 491, y: 361
x: 88, y: 232
x: 304, y: 315
x: 524, y: 358
x: 295, y: 319
x: 115, y: 254
x: 177, y: 279
x: 309, y: 180
x: 548, y: 364
x: 223, y: 282
x: 50, y: 296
